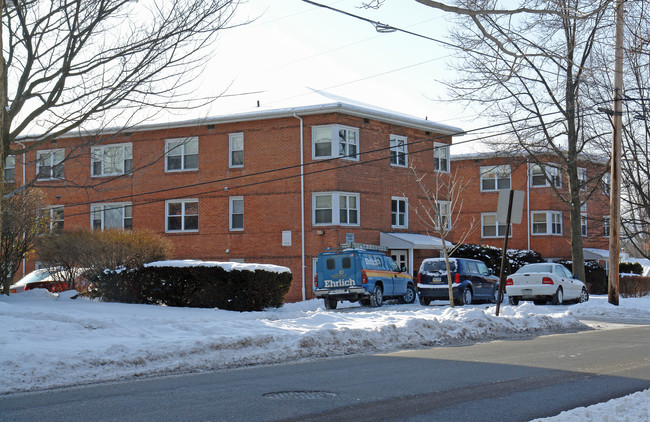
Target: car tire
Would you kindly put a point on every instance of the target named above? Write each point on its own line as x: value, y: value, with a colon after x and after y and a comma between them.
x: 330, y: 303
x: 425, y: 301
x: 409, y: 296
x: 377, y: 297
x: 584, y: 295
x: 558, y: 297
x: 466, y: 297
x: 495, y: 296
x: 513, y: 300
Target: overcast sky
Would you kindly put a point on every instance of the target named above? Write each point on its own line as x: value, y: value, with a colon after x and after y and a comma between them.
x: 293, y: 48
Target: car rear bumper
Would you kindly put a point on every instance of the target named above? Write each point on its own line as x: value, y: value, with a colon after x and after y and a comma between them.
x: 343, y: 293
x: 439, y: 291
x: 531, y: 290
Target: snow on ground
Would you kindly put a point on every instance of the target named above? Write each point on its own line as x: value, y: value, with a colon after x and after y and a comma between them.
x: 50, y: 340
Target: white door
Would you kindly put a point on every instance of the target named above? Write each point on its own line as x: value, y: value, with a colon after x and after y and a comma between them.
x: 401, y: 258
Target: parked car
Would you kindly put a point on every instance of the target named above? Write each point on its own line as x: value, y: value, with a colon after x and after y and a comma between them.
x: 361, y: 275
x: 545, y: 282
x: 46, y: 278
x: 472, y: 281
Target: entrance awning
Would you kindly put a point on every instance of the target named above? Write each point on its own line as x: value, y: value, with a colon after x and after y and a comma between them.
x: 410, y: 241
x: 595, y: 254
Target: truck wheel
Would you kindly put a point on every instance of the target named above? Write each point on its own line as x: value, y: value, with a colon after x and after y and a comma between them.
x: 377, y: 297
x: 425, y: 301
x: 409, y: 296
x: 330, y: 303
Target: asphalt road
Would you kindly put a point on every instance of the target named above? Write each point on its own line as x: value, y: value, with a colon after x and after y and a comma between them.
x: 498, y: 381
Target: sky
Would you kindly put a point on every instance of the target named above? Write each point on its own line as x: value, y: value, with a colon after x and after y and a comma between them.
x: 100, y: 341
x: 292, y: 49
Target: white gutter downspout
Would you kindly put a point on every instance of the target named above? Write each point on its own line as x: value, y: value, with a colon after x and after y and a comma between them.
x: 528, y: 199
x: 302, y: 206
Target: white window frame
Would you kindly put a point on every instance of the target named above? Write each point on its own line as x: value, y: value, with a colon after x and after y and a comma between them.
x: 583, y: 225
x: 553, y: 223
x: 184, y: 215
x: 396, y: 214
x: 498, y: 227
x: 10, y: 168
x: 98, y: 155
x: 55, y: 159
x: 52, y: 214
x: 443, y: 210
x: 550, y: 172
x: 495, y: 174
x: 582, y: 178
x: 337, y: 199
x: 335, y: 142
x: 231, y: 213
x: 178, y: 147
x: 127, y: 217
x: 398, y: 151
x: 232, y: 139
x: 441, y: 155
x: 606, y: 225
x: 606, y: 182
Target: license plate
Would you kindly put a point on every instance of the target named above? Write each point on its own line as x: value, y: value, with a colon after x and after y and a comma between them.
x: 436, y: 279
x: 527, y: 291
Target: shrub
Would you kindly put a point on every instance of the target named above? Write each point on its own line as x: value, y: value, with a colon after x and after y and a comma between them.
x: 630, y: 268
x: 491, y: 256
x: 197, y: 286
x: 634, y: 286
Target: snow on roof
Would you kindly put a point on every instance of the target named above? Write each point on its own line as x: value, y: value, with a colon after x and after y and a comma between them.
x: 228, y: 266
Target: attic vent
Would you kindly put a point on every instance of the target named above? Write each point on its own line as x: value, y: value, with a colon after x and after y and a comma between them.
x: 210, y: 126
x: 366, y: 120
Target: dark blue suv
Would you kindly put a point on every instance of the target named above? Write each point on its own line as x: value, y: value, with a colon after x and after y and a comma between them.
x: 471, y: 281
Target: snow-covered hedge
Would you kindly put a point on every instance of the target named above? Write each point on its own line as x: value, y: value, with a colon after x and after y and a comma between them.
x: 491, y: 256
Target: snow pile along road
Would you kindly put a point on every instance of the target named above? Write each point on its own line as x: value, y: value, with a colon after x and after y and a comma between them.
x: 51, y: 341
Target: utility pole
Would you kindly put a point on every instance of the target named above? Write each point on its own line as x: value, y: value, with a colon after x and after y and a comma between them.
x: 615, y: 189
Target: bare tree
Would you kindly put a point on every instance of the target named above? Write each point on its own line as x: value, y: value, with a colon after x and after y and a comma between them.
x: 23, y: 223
x: 69, y: 66
x: 532, y: 66
x: 440, y: 211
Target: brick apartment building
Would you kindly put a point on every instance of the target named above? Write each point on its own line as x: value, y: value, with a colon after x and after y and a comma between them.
x: 545, y: 225
x: 267, y: 186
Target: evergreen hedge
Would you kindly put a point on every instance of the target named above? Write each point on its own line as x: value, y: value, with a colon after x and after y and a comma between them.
x: 491, y: 256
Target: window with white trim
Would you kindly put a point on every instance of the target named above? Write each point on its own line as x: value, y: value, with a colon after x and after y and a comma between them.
x: 333, y: 141
x: 490, y: 227
x: 495, y: 178
x: 606, y: 225
x: 236, y: 149
x: 443, y: 213
x: 583, y: 224
x: 49, y: 164
x: 399, y: 213
x: 182, y: 154
x: 112, y: 160
x: 54, y: 218
x: 182, y: 215
x: 546, y: 222
x: 236, y: 213
x: 326, y: 204
x: 606, y: 182
x: 541, y: 176
x: 441, y: 157
x: 398, y: 152
x: 10, y: 169
x: 117, y: 215
x: 582, y: 178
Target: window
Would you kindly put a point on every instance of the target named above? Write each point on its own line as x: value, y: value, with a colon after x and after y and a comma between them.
x: 443, y: 222
x: 582, y: 178
x: 540, y: 176
x: 441, y: 157
x: 325, y: 203
x: 583, y: 224
x: 54, y: 218
x: 399, y: 212
x: 49, y: 164
x: 10, y: 169
x: 236, y: 150
x: 237, y: 213
x: 182, y: 215
x: 111, y: 216
x: 495, y: 178
x: 326, y: 140
x: 606, y: 183
x: 491, y: 228
x: 606, y: 225
x: 398, y: 155
x: 547, y: 222
x: 182, y: 154
x: 112, y: 160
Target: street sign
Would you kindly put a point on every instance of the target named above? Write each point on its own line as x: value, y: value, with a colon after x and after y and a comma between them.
x: 517, y: 206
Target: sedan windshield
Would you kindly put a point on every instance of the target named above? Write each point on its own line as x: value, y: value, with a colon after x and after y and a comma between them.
x: 535, y: 268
